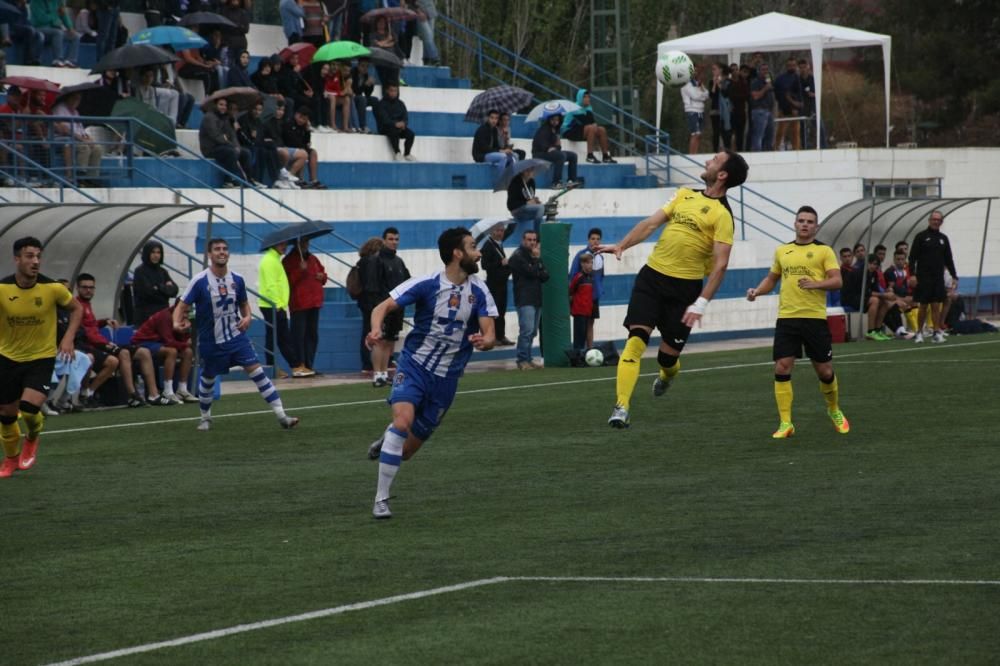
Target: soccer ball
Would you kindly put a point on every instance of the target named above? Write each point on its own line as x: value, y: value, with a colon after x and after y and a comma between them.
x: 674, y: 69
x: 594, y: 358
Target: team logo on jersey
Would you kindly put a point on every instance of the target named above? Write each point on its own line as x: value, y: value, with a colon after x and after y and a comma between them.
x: 223, y: 289
x: 398, y: 379
x: 454, y: 300
x: 809, y: 255
x: 38, y: 301
x: 705, y: 210
x: 472, y: 299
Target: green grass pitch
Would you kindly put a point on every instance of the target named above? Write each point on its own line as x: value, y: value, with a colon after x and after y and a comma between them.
x: 715, y: 543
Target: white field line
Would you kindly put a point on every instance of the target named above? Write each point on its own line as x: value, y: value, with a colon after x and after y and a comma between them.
x: 497, y: 389
x: 385, y: 601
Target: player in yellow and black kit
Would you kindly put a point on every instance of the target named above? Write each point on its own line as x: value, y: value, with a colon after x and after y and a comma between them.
x: 28, y: 303
x: 668, y: 293
x: 807, y: 270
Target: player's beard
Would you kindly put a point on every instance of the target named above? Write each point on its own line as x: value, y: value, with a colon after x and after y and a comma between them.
x: 469, y: 265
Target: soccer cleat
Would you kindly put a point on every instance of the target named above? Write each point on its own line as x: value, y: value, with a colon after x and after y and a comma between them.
x: 660, y: 386
x: 784, y: 431
x: 136, y: 401
x: 840, y: 422
x: 8, y: 467
x: 938, y: 337
x: 288, y: 422
x: 185, y: 396
x: 381, y: 510
x: 619, y: 418
x: 29, y: 452
x: 205, y: 425
x: 919, y: 338
x: 172, y: 399
x: 375, y: 448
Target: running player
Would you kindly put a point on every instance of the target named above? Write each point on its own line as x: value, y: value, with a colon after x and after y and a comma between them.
x: 669, y: 293
x: 454, y: 314
x: 807, y: 270
x: 28, y: 302
x: 222, y: 315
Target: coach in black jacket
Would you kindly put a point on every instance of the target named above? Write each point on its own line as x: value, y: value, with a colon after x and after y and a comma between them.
x: 497, y: 274
x: 152, y: 287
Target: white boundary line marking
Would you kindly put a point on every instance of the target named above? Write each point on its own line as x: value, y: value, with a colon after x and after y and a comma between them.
x: 497, y: 389
x: 385, y: 601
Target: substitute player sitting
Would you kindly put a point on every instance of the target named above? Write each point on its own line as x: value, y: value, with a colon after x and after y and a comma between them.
x: 454, y: 314
x: 807, y: 270
x: 668, y: 293
x: 222, y: 315
x: 28, y: 302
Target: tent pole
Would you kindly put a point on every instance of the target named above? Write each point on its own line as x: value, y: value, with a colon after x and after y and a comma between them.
x: 886, y: 64
x: 816, y: 50
x: 982, y: 257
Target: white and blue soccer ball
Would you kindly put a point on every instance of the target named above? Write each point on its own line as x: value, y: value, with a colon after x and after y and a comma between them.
x: 674, y: 69
x: 594, y: 358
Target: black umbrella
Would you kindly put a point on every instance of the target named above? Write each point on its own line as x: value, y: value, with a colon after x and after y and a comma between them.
x: 66, y: 91
x: 8, y: 13
x: 505, y: 99
x: 518, y: 168
x: 134, y: 55
x: 384, y: 58
x: 303, y: 230
x: 196, y: 19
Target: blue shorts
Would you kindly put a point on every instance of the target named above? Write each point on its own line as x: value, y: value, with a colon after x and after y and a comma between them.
x: 430, y: 395
x: 216, y: 359
x: 153, y: 347
x: 694, y: 122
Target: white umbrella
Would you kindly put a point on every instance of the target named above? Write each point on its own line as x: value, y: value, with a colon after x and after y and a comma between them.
x: 483, y: 227
x: 555, y: 107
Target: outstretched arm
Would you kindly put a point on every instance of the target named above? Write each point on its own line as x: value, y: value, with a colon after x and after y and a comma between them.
x: 639, y: 233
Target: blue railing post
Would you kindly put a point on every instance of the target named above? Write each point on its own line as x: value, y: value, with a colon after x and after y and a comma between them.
x: 743, y: 218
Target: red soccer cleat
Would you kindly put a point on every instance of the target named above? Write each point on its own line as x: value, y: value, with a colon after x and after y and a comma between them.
x: 8, y: 467
x: 29, y: 451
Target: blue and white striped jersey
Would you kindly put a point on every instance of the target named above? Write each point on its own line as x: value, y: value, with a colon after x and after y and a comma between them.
x: 446, y: 315
x: 217, y: 305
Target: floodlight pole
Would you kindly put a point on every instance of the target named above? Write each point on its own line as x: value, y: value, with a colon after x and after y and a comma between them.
x: 982, y: 257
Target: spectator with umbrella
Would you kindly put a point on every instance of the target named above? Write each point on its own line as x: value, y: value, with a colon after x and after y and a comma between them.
x: 164, y: 100
x: 363, y: 86
x: 306, y: 277
x: 194, y: 67
x: 519, y: 181
x: 504, y: 128
x: 393, y: 119
x: 292, y: 85
x: 580, y: 125
x: 51, y: 18
x: 502, y: 99
x: 547, y: 146
x: 217, y: 140
x: 487, y: 147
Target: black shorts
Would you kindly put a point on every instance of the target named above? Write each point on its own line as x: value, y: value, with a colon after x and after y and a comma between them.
x: 392, y: 325
x: 20, y: 375
x: 792, y: 334
x: 574, y: 133
x: 930, y: 289
x: 659, y: 301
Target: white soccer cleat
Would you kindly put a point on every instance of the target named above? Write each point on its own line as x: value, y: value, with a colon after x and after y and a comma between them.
x: 381, y: 510
x: 938, y: 337
x: 288, y: 422
x: 619, y: 418
x: 205, y: 425
x: 919, y: 338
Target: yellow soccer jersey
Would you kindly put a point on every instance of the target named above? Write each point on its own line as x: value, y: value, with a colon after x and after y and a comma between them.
x: 695, y: 223
x: 794, y: 262
x: 28, y: 318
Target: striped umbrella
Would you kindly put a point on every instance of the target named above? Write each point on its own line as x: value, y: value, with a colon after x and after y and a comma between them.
x: 505, y: 99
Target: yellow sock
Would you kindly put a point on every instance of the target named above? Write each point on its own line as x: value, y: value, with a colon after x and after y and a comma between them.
x: 667, y: 373
x: 35, y: 423
x: 830, y: 394
x: 10, y: 436
x: 783, y: 396
x: 628, y: 370
x: 911, y: 320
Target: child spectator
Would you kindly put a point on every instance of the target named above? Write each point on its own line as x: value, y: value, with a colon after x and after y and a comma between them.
x: 581, y: 304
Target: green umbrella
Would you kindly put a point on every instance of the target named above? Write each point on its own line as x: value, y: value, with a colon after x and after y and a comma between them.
x: 342, y: 50
x: 156, y: 142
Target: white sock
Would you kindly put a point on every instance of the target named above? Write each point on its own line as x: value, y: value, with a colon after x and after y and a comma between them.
x: 389, y: 461
x: 168, y: 389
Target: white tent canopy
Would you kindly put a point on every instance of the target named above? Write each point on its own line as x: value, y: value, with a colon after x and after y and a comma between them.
x: 780, y: 32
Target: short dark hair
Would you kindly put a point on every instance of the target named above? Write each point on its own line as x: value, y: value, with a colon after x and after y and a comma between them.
x: 902, y: 242
x: 846, y: 249
x: 807, y: 209
x: 303, y: 111
x: 857, y: 245
x: 492, y: 111
x: 528, y: 231
x: 803, y: 61
x: 449, y: 241
x: 595, y: 230
x: 279, y: 104
x: 899, y: 253
x: 85, y: 276
x: 392, y: 230
x: 217, y: 241
x: 736, y: 169
x: 27, y: 241
x: 880, y: 247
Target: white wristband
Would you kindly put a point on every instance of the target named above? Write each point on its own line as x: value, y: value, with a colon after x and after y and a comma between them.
x: 699, y: 306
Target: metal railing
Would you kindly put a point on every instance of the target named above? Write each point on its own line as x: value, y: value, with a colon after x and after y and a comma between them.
x: 494, y: 64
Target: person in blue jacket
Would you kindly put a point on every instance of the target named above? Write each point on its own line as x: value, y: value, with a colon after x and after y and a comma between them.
x: 581, y: 125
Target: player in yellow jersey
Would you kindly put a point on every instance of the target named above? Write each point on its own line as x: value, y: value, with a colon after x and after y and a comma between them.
x: 669, y: 292
x: 807, y: 270
x: 28, y: 303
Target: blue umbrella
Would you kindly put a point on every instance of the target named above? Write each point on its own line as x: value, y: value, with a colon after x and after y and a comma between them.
x: 303, y: 230
x: 170, y: 35
x: 556, y: 107
x: 518, y: 168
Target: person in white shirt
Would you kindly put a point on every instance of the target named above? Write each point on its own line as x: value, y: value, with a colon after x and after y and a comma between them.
x: 694, y: 95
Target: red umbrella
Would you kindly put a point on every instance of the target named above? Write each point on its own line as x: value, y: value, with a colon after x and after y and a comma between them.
x: 304, y: 49
x: 31, y: 83
x: 390, y: 13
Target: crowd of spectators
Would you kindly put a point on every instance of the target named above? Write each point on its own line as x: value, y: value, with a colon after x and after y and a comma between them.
x: 751, y: 109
